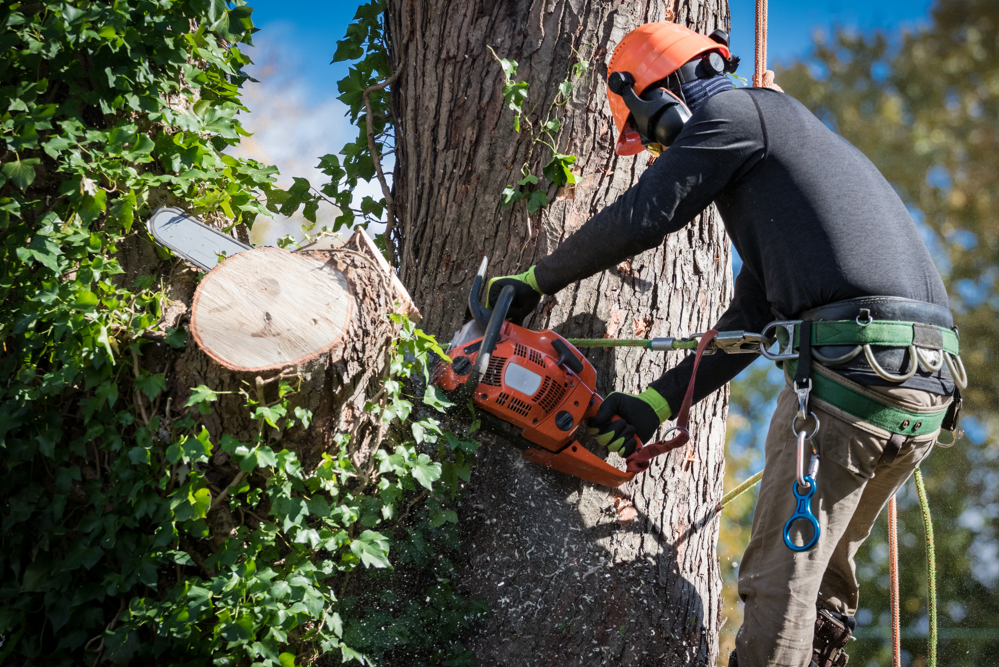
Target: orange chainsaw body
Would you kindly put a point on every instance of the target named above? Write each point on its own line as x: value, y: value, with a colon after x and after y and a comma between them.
x: 525, y: 385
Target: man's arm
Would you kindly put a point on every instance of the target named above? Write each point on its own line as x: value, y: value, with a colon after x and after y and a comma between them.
x: 720, y: 143
x: 749, y: 311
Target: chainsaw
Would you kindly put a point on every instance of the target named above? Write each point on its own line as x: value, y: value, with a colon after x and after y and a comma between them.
x: 535, y: 384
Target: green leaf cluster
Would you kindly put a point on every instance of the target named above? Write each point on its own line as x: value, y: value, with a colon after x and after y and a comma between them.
x: 558, y: 171
x: 110, y: 492
x: 365, y: 44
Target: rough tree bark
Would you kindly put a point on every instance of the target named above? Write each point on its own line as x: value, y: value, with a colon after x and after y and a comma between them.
x: 574, y: 574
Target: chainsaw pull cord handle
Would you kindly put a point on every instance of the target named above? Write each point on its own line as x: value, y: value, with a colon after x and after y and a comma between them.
x: 493, y: 327
x: 639, y: 461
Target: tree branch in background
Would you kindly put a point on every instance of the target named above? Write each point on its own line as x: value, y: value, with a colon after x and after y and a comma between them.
x: 376, y: 158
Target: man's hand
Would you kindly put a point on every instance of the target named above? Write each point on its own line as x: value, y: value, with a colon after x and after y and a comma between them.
x: 638, y: 416
x: 526, y: 294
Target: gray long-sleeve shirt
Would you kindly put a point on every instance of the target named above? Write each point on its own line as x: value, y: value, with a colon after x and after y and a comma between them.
x: 812, y: 218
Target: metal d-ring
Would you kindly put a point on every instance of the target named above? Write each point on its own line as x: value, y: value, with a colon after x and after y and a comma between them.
x: 953, y: 364
x: 923, y: 356
x: 870, y: 319
x: 876, y: 367
x: 834, y: 361
x: 675, y: 428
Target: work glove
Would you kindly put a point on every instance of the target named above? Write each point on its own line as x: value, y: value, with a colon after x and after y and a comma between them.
x: 637, y: 416
x: 526, y: 294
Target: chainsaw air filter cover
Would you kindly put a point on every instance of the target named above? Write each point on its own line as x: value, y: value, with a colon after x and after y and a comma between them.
x: 535, y: 380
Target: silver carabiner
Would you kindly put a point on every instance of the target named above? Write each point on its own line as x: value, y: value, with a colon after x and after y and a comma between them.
x: 786, y: 350
x: 801, y: 471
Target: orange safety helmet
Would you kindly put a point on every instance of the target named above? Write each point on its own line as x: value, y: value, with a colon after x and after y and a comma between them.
x: 650, y: 53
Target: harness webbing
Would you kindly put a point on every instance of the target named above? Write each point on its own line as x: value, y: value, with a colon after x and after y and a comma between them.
x: 879, y: 332
x: 890, y: 418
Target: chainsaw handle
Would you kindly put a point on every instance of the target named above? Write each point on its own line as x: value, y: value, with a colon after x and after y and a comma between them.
x: 594, y: 407
x: 497, y: 316
x: 482, y: 315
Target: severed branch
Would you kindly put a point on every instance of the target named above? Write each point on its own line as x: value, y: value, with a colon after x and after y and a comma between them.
x: 377, y: 159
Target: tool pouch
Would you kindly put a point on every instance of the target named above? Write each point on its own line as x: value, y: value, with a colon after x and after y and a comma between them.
x: 831, y: 637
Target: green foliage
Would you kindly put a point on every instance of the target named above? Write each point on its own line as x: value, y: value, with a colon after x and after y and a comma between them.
x: 364, y: 43
x: 559, y: 169
x: 110, y: 552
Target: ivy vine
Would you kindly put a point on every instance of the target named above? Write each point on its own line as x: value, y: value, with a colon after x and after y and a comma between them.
x: 109, y: 110
x: 543, y: 130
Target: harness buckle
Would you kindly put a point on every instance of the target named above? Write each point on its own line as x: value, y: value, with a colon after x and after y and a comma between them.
x: 803, y: 392
x: 785, y: 349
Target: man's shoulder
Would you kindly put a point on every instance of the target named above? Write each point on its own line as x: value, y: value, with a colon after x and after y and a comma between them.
x: 731, y: 104
x: 746, y: 100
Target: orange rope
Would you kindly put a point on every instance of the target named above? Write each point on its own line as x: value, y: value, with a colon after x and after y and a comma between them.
x: 896, y: 645
x: 762, y: 77
x: 761, y: 42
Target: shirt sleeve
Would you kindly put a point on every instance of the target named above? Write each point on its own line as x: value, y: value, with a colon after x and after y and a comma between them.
x: 720, y: 143
x: 750, y: 312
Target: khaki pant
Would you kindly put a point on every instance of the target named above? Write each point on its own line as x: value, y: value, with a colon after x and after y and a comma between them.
x: 781, y: 588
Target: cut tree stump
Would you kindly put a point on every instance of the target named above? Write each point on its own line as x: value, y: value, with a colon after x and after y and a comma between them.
x: 316, y: 318
x: 267, y: 309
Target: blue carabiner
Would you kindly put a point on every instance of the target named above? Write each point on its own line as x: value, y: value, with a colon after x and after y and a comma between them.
x: 803, y: 511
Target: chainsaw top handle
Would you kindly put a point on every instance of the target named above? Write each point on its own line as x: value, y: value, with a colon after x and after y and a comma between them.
x: 482, y: 315
x: 497, y: 316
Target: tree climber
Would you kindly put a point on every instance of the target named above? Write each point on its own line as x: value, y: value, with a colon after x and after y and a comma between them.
x: 823, y: 238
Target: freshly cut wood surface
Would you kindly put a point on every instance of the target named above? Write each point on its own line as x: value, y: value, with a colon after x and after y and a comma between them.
x: 268, y: 308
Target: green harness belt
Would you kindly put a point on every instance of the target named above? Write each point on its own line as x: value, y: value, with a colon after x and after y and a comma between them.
x: 880, y: 333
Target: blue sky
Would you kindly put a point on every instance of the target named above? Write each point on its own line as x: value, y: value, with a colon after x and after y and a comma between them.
x: 308, y: 31
x: 296, y: 118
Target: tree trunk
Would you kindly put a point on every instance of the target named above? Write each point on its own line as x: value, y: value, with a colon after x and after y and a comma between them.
x: 574, y: 574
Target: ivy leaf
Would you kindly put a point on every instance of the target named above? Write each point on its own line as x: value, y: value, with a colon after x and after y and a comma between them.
x: 515, y: 94
x: 510, y: 196
x: 86, y: 301
x: 271, y: 414
x: 565, y: 89
x: 287, y: 659
x: 425, y: 471
x: 177, y: 338
x: 509, y: 68
x: 200, y: 394
x: 559, y: 169
x: 202, y: 502
x: 538, y: 200
x: 151, y: 385
x: 528, y: 179
x: 304, y: 415
x: 372, y: 548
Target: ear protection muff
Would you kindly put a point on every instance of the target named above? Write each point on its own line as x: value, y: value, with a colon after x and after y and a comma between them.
x: 658, y: 115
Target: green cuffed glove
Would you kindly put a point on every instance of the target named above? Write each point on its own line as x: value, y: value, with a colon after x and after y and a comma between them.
x: 636, y: 416
x: 526, y: 296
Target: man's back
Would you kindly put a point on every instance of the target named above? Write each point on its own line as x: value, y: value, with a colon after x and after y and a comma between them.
x: 812, y: 218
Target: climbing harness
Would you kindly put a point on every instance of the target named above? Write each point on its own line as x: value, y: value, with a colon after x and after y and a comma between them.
x: 837, y: 335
